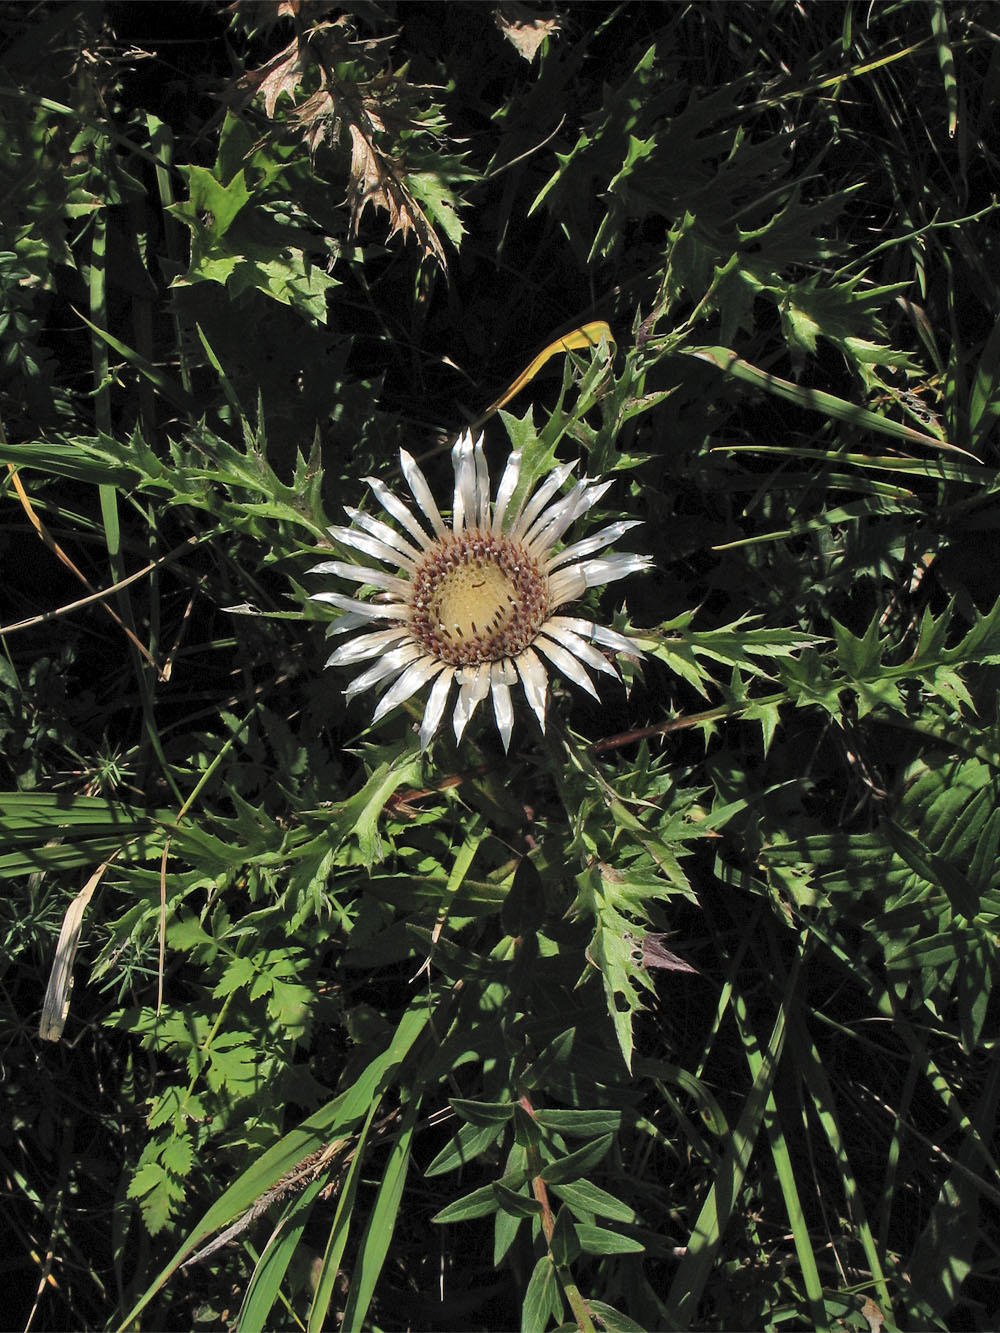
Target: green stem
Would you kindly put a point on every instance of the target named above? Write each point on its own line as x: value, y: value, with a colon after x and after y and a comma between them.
x: 577, y: 1304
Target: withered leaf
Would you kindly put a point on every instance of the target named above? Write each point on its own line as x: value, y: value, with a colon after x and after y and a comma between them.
x: 374, y: 113
x: 648, y: 949
x: 525, y: 28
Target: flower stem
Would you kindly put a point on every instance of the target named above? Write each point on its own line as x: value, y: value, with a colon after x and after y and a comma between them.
x: 577, y: 1304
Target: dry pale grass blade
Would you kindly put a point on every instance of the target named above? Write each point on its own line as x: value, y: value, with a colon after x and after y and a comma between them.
x: 311, y: 1167
x: 185, y: 620
x: 55, y: 1009
x: 162, y: 954
x: 57, y: 550
x: 45, y: 616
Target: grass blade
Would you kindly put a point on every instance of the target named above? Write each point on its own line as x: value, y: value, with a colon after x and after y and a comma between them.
x: 336, y: 1118
x: 264, y: 1287
x: 816, y: 400
x: 381, y: 1223
x: 706, y: 1234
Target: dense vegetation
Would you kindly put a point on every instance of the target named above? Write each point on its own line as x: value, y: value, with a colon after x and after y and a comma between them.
x: 680, y: 1015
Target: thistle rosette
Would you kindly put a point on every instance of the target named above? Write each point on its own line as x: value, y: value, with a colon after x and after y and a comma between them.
x: 474, y: 602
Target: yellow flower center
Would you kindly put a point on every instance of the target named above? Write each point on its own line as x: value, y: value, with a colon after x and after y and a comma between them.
x: 477, y: 598
x: 471, y: 597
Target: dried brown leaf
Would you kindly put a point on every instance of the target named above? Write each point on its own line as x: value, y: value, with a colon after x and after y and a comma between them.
x: 648, y: 950
x: 282, y: 74
x: 374, y: 180
x: 525, y: 28
x: 873, y: 1315
x: 381, y: 106
x: 264, y: 15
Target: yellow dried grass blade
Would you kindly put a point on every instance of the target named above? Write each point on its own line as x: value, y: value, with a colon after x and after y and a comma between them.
x: 57, y: 550
x: 587, y: 335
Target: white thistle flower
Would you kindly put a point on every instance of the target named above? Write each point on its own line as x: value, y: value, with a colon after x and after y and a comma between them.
x: 475, y: 602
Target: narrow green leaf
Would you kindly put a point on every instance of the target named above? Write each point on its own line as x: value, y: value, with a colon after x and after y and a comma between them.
x: 526, y: 1132
x: 466, y: 1144
x: 381, y: 1225
x: 578, y: 1163
x: 811, y: 1069
x: 270, y: 1269
x: 939, y: 26
x: 706, y: 1234
x: 585, y: 1197
x: 340, y: 1227
x: 480, y: 1202
x: 580, y: 1124
x: 542, y: 1301
x: 828, y: 403
x: 598, y: 1240
x: 70, y: 461
x: 515, y: 1202
x: 171, y: 391
x: 524, y: 906
x: 564, y: 1245
x: 784, y: 1168
x: 483, y: 1113
x: 505, y: 1227
x: 613, y: 1320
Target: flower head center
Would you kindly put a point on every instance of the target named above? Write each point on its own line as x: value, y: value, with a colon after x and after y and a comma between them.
x: 471, y: 596
x: 477, y: 597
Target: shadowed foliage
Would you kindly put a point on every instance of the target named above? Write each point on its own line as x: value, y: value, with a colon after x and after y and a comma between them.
x: 679, y: 1015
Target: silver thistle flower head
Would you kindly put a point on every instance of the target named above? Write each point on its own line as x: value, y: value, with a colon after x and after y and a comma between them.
x: 474, y: 603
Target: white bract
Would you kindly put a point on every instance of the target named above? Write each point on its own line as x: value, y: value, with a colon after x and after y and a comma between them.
x: 473, y: 602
